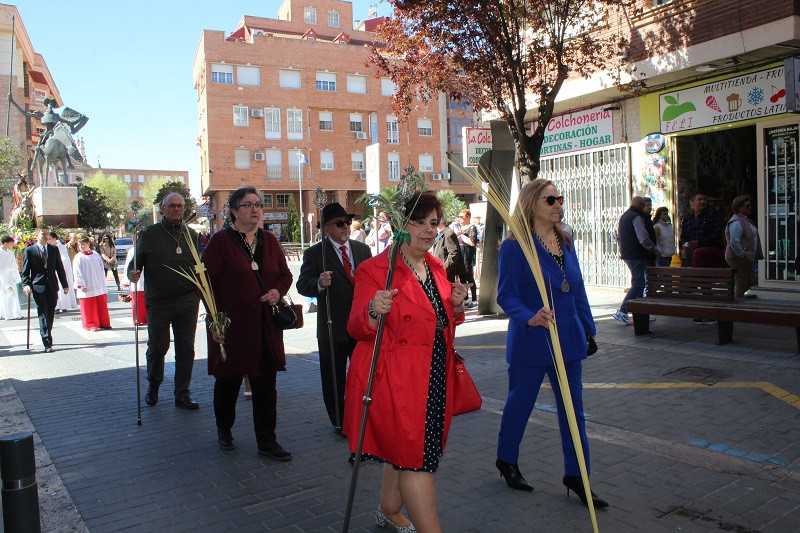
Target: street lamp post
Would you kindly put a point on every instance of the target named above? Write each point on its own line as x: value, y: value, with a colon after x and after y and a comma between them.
x: 302, y: 159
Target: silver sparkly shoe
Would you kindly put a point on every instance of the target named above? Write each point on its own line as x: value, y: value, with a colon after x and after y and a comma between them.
x: 383, y: 521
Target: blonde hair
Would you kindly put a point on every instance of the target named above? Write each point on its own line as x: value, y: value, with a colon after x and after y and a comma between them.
x: 355, y: 226
x: 526, y: 202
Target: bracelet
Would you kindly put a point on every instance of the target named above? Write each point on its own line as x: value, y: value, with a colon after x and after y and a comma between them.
x: 371, y: 310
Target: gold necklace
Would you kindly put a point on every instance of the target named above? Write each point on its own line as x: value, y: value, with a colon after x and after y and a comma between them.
x: 177, y: 239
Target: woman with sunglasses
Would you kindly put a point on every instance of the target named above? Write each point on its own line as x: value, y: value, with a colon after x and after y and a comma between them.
x: 743, y: 250
x: 528, y: 345
x: 409, y: 417
x: 249, y: 274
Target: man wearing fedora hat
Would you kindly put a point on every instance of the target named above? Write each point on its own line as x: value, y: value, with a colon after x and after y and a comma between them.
x: 342, y: 256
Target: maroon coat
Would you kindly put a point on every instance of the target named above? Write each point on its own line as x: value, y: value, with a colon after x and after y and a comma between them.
x: 237, y: 292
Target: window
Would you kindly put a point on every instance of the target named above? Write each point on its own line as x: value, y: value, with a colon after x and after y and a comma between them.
x: 267, y: 200
x: 356, y: 122
x: 309, y: 15
x: 127, y: 178
x: 357, y: 160
x: 456, y: 104
x: 141, y: 193
x: 282, y: 201
x: 333, y: 19
x: 326, y: 160
x: 222, y: 74
x: 392, y: 131
x: 325, y: 121
x: 425, y: 163
x: 326, y: 81
x: 394, y: 167
x: 241, y: 157
x: 294, y: 124
x: 356, y: 84
x: 274, y: 165
x: 128, y: 193
x: 141, y: 178
x: 289, y: 79
x: 387, y: 87
x: 248, y: 75
x: 272, y: 123
x: 38, y: 96
x: 240, y: 117
x: 425, y: 127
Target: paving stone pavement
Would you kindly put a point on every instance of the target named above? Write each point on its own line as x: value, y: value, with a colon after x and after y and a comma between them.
x: 685, y: 436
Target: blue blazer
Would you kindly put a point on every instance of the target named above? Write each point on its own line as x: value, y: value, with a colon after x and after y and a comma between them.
x: 519, y: 297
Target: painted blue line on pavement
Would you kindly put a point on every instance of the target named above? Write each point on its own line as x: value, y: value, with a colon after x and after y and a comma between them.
x: 723, y: 448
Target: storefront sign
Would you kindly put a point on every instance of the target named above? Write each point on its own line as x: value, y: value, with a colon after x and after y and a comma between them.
x: 577, y: 131
x: 754, y: 95
x: 475, y: 142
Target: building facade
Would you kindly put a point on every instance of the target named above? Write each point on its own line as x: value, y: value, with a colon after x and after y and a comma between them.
x: 712, y: 107
x: 287, y: 104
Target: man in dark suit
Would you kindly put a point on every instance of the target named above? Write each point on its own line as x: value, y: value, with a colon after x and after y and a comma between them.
x: 41, y: 263
x: 334, y: 275
x: 447, y: 250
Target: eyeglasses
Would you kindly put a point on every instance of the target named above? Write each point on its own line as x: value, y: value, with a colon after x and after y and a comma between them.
x: 341, y: 223
x: 250, y: 205
x: 175, y: 206
x: 553, y: 199
x: 432, y: 223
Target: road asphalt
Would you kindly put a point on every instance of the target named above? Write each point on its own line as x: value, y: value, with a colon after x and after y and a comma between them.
x: 685, y: 435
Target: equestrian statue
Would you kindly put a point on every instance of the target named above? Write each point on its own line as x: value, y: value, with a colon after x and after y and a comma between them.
x: 55, y: 144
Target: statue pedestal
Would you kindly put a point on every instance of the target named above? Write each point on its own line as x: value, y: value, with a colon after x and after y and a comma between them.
x: 57, y: 206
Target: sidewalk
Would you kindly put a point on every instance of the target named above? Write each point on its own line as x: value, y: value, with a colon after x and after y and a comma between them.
x: 685, y: 435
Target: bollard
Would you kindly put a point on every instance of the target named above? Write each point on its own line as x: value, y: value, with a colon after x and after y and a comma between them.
x: 19, y: 490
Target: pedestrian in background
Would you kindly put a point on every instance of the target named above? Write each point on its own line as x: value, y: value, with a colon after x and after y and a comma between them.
x: 467, y: 239
x: 665, y: 237
x: 701, y: 234
x: 108, y: 251
x: 9, y: 279
x: 42, y: 271
x: 528, y: 343
x: 67, y: 301
x: 744, y: 248
x: 356, y: 233
x: 249, y: 274
x: 172, y: 301
x: 90, y: 282
x: 342, y: 257
x: 447, y: 250
x: 409, y: 418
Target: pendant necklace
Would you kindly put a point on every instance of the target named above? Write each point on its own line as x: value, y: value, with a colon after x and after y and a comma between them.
x: 559, y: 259
x: 251, y: 249
x: 177, y: 239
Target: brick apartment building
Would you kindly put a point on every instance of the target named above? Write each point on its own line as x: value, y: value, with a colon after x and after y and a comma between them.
x: 708, y: 106
x: 280, y: 99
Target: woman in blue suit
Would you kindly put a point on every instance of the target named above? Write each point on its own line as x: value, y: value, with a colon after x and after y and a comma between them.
x: 528, y: 345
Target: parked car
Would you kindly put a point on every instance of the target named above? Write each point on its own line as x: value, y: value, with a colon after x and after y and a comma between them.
x: 123, y: 244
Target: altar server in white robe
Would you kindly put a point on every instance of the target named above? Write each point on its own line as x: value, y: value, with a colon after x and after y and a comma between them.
x: 9, y: 281
x: 90, y: 282
x: 67, y: 301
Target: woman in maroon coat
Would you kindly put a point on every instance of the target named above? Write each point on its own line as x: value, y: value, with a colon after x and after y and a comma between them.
x: 254, y: 346
x: 415, y: 369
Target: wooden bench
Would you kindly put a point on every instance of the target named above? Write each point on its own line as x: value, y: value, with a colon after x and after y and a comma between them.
x: 292, y: 249
x: 706, y: 293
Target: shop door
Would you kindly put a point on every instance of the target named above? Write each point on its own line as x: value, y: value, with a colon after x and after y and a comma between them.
x: 596, y: 188
x: 781, y: 172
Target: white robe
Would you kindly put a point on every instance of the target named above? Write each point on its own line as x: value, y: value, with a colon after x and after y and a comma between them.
x: 124, y: 273
x: 89, y: 273
x: 66, y: 301
x: 9, y: 279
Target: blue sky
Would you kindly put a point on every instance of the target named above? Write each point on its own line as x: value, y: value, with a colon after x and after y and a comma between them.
x: 128, y: 66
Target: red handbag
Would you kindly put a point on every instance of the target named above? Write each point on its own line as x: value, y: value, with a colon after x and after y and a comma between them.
x: 466, y: 397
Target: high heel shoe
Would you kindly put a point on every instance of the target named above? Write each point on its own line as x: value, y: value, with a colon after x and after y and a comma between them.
x: 512, y: 475
x: 383, y: 521
x: 575, y: 484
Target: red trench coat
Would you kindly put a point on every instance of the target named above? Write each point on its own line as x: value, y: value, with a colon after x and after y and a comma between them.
x: 237, y: 292
x: 395, y: 428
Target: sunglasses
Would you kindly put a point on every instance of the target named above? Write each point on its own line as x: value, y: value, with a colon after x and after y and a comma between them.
x: 341, y: 223
x: 551, y: 200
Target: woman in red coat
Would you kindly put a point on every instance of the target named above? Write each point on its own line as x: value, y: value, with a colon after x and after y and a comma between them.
x: 235, y: 258
x: 414, y: 372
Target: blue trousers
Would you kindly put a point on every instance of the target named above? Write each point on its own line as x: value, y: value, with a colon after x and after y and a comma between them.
x: 523, y: 387
x: 638, y: 269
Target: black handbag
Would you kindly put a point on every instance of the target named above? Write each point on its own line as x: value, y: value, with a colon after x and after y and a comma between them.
x: 591, y: 346
x: 287, y: 315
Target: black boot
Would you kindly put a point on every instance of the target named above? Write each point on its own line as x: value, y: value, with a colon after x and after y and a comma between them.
x: 575, y: 484
x: 512, y: 475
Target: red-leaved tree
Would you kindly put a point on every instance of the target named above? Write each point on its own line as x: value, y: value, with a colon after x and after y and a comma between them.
x: 507, y: 56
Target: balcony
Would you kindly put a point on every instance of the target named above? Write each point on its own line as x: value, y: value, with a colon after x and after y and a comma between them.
x: 295, y: 173
x: 274, y: 172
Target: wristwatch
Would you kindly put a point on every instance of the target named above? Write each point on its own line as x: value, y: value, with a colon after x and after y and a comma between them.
x: 371, y: 310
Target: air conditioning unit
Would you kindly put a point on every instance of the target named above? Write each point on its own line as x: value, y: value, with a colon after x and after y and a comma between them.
x: 362, y: 175
x: 258, y: 156
x: 257, y: 113
x: 259, y: 32
x: 446, y: 176
x: 436, y: 177
x: 361, y: 135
